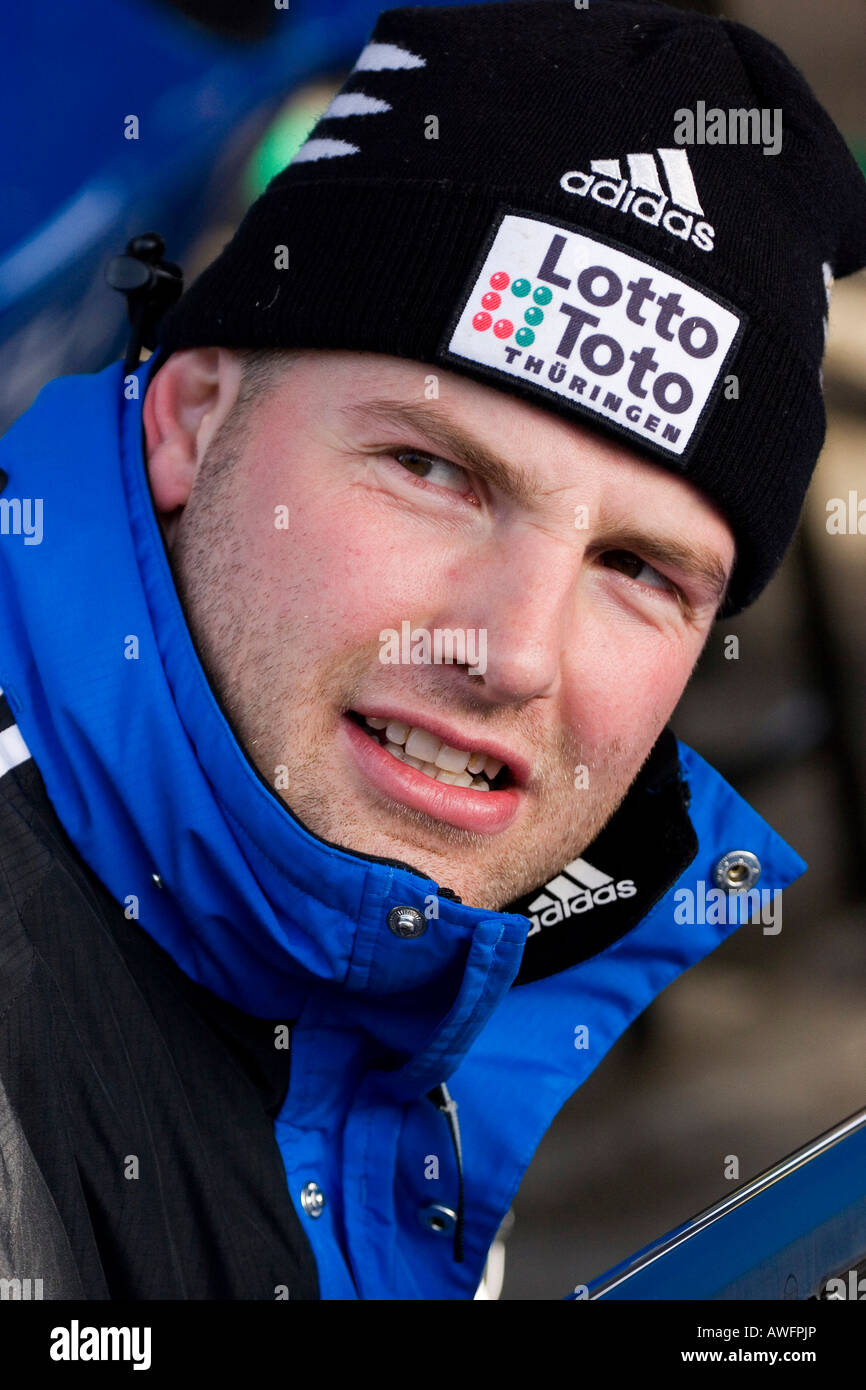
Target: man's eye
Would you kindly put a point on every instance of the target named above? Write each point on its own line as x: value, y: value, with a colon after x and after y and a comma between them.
x: 635, y: 568
x: 434, y: 470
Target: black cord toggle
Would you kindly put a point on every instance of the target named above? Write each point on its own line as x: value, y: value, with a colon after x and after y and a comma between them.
x: 151, y: 286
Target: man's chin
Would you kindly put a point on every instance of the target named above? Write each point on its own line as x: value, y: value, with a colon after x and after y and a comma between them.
x: 457, y: 860
x: 452, y: 858
x: 487, y: 871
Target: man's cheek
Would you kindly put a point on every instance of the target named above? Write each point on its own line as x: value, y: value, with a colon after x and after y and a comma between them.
x: 621, y: 698
x: 330, y: 563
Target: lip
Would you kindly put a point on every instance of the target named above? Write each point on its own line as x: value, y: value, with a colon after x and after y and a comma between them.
x: 518, y: 766
x: 485, y: 813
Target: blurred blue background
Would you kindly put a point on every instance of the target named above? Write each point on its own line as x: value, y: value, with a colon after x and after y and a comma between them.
x: 203, y: 79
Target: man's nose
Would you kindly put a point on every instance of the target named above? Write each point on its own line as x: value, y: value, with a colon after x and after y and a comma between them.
x: 524, y: 596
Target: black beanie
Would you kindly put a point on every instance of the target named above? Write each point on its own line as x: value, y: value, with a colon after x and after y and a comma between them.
x: 550, y: 200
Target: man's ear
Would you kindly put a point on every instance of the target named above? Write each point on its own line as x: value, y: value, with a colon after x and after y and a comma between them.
x: 185, y: 405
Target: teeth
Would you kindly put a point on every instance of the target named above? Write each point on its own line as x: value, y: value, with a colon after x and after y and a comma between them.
x: 452, y: 759
x: 455, y: 779
x: 456, y: 767
x: 423, y: 745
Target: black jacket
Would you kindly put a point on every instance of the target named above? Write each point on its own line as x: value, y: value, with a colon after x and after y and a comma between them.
x: 137, y: 1149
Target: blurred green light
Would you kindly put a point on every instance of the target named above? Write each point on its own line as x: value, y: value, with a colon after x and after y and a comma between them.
x: 282, y: 140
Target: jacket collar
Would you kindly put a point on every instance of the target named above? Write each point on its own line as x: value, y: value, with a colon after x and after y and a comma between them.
x: 160, y: 800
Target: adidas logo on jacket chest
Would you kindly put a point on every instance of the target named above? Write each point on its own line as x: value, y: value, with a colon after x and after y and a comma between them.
x: 578, y: 888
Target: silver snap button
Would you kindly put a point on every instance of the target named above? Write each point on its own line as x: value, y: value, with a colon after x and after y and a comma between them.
x: 312, y: 1199
x: 407, y: 921
x: 737, y: 870
x: 436, y: 1218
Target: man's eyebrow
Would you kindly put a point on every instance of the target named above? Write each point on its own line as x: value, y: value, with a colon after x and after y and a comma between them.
x: 516, y: 482
x: 698, y: 561
x: 508, y: 478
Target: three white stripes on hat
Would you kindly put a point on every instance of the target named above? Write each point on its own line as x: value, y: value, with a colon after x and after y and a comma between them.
x: 376, y: 57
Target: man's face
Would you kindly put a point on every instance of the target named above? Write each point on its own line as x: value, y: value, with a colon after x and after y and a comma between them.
x: 352, y: 504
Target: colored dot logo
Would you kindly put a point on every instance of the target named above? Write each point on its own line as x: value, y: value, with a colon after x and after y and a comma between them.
x: 504, y: 327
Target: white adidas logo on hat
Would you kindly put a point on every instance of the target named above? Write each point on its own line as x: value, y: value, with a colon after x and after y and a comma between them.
x: 641, y: 193
x: 578, y: 888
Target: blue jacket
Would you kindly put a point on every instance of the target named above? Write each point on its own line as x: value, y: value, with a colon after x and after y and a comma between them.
x: 160, y: 800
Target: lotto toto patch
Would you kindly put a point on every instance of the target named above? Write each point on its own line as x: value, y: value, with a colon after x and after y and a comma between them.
x: 616, y: 334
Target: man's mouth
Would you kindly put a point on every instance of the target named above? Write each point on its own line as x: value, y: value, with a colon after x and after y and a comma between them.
x: 418, y: 748
x: 422, y: 768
